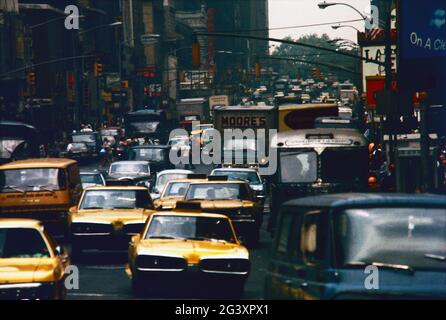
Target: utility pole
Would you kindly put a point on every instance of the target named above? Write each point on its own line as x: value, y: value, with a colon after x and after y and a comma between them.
x: 424, y: 145
x: 389, y: 77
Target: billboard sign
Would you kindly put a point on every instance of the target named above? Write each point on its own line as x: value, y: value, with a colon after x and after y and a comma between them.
x: 423, y: 29
x: 422, y: 49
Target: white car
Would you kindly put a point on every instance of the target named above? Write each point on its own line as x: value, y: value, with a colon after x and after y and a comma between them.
x: 163, y: 177
x: 179, y: 143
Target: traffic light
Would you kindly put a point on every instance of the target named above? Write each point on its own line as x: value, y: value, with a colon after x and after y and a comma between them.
x: 196, y: 58
x: 258, y: 70
x: 98, y: 70
x: 124, y: 84
x: 31, y: 79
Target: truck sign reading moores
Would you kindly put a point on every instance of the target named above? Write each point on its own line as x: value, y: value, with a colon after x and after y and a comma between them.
x: 243, y: 121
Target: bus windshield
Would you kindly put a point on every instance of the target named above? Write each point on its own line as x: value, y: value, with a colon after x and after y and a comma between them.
x: 39, y: 179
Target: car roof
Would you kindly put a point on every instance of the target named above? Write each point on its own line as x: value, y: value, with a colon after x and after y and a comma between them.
x: 190, y: 213
x: 236, y: 169
x: 130, y: 162
x: 343, y: 200
x: 341, y: 137
x: 188, y: 180
x: 19, y: 223
x: 115, y: 188
x: 219, y: 182
x: 39, y: 163
x: 90, y: 172
x: 172, y: 171
x: 151, y: 146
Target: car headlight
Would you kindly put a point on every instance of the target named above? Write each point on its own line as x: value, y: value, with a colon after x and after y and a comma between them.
x: 236, y: 266
x: 257, y: 187
x: 263, y: 161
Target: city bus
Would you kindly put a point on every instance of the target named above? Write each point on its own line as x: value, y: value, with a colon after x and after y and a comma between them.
x: 317, y: 161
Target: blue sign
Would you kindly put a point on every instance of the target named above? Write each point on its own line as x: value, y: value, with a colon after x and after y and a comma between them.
x: 422, y: 50
x: 423, y: 29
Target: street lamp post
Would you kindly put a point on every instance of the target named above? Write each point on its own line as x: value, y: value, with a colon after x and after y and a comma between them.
x: 344, y: 26
x: 324, y: 5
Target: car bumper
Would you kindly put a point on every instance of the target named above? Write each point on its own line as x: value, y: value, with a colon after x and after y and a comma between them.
x: 28, y: 291
x: 189, y: 279
x: 114, y: 240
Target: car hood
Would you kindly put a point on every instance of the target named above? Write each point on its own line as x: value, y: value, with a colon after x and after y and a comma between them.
x: 110, y: 216
x: 24, y: 270
x: 192, y: 251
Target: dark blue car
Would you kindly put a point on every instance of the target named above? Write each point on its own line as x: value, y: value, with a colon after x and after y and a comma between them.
x: 360, y: 246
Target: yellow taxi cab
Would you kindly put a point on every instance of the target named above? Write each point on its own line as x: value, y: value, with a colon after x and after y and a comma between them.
x: 175, y: 190
x: 32, y: 266
x: 41, y: 189
x: 107, y: 217
x: 185, y: 248
x: 232, y: 198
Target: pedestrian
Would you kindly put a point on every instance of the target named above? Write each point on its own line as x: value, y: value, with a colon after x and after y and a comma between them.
x: 105, y: 153
x: 190, y: 166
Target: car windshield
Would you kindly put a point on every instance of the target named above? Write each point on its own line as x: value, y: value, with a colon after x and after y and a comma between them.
x: 7, y: 147
x: 162, y: 180
x: 79, y: 145
x: 84, y: 138
x: 217, y: 191
x: 148, y: 154
x: 298, y: 167
x: 39, y: 179
x: 128, y: 168
x: 22, y: 243
x: 414, y: 237
x: 179, y: 142
x: 250, y: 176
x: 116, y: 199
x: 190, y: 227
x: 176, y: 189
x: 92, y: 179
x: 344, y: 166
x: 144, y: 127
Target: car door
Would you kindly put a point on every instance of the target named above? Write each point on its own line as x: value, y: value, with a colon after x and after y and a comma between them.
x: 286, y: 262
x: 308, y: 282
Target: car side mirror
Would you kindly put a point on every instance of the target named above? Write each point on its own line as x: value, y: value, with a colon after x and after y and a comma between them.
x: 73, y: 210
x: 61, y: 251
x: 135, y: 239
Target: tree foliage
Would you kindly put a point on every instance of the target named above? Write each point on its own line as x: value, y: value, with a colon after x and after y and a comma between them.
x: 303, y: 70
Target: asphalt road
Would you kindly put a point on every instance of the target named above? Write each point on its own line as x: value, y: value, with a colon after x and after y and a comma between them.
x: 102, y: 274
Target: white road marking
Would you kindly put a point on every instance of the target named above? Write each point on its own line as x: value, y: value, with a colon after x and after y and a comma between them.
x: 105, y: 267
